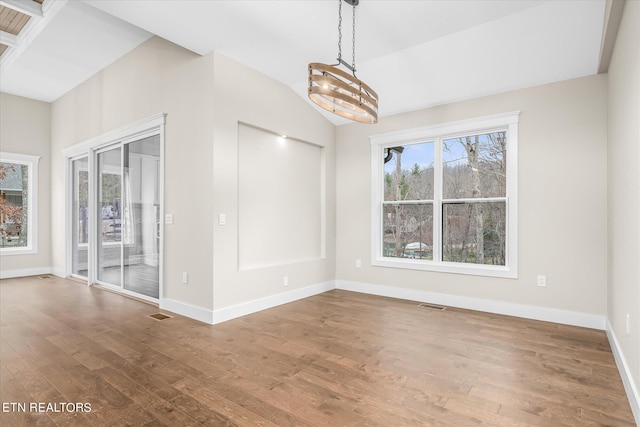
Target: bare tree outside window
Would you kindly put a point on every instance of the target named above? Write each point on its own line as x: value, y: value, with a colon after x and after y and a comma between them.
x: 474, y: 176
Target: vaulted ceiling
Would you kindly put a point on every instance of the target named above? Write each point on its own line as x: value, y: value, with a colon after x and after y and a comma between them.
x: 413, y: 53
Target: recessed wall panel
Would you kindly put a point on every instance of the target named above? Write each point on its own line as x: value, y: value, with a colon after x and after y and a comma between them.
x: 279, y: 199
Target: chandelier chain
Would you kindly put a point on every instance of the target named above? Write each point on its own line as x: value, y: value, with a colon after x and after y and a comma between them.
x: 353, y: 40
x: 353, y: 36
x: 339, y: 30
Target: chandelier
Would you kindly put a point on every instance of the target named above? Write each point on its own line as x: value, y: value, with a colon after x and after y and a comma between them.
x: 339, y: 91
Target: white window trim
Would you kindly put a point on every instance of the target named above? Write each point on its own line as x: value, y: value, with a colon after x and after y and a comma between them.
x: 508, y: 121
x: 32, y: 215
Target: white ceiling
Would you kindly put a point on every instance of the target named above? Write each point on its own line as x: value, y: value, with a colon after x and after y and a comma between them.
x: 413, y: 53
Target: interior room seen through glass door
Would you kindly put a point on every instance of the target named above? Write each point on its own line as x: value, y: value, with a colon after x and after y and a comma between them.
x: 80, y: 217
x: 109, y: 230
x: 141, y: 216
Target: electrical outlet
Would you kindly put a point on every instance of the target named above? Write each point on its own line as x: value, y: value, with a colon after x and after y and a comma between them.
x: 285, y: 281
x: 358, y: 263
x: 542, y: 281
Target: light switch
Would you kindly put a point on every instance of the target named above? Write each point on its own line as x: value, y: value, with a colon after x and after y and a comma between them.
x: 222, y: 219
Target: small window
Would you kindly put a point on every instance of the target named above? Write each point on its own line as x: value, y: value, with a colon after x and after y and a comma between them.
x: 18, y: 196
x: 444, y: 197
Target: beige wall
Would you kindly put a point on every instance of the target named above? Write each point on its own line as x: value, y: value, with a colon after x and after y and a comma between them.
x: 157, y: 77
x: 244, y: 95
x: 562, y: 199
x: 25, y: 128
x: 624, y: 189
x: 205, y: 98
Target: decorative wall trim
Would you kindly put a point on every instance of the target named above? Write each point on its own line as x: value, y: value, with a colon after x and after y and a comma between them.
x: 239, y: 310
x: 625, y: 373
x: 9, y: 274
x: 498, y: 307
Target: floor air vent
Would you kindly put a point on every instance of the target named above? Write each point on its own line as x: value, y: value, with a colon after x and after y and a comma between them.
x: 46, y: 276
x: 432, y: 306
x: 160, y: 316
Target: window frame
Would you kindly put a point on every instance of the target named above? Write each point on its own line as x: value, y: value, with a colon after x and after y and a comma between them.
x: 32, y: 200
x: 437, y: 133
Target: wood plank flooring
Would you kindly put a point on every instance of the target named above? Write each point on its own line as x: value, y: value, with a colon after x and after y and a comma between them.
x: 336, y: 359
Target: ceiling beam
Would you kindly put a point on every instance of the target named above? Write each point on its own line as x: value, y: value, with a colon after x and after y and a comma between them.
x: 9, y: 39
x: 28, y: 7
x: 30, y: 30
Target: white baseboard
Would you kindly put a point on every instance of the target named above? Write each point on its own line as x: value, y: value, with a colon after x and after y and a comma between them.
x: 187, y: 310
x: 627, y: 379
x: 239, y: 310
x: 499, y: 307
x: 9, y: 274
x: 59, y: 273
x: 491, y: 306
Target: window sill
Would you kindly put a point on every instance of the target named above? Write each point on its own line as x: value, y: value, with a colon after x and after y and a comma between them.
x: 447, y: 267
x: 17, y: 251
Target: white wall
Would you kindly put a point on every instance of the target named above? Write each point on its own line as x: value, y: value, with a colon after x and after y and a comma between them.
x: 25, y: 128
x: 562, y: 205
x: 624, y: 196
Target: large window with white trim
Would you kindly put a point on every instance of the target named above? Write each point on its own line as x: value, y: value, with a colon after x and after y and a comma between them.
x: 445, y: 197
x: 18, y: 198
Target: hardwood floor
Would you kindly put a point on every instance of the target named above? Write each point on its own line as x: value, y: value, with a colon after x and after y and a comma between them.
x: 336, y: 359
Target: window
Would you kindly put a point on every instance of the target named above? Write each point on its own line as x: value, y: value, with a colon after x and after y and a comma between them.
x: 18, y: 198
x: 445, y: 197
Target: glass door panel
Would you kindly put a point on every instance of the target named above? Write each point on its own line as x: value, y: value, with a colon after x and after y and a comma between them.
x: 141, y: 216
x: 80, y: 217
x: 109, y: 238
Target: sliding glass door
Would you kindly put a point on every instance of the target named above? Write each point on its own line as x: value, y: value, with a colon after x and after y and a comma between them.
x: 128, y: 206
x: 141, y: 216
x: 115, y: 209
x: 80, y: 217
x: 127, y: 216
x: 109, y: 215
